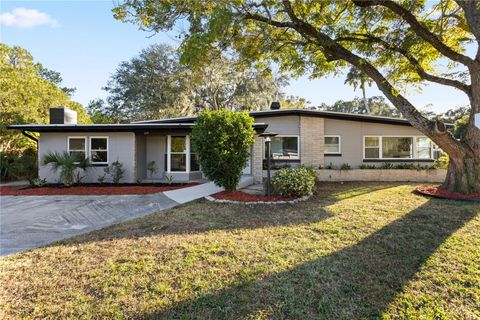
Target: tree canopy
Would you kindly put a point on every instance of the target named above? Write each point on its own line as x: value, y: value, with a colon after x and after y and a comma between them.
x: 26, y: 95
x: 395, y: 43
x: 155, y: 84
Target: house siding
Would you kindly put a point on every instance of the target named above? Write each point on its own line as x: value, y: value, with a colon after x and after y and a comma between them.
x: 352, y: 133
x: 121, y: 146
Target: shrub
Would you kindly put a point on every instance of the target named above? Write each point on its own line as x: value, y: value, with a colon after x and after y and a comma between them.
x: 67, y: 164
x: 387, y: 165
x: 330, y: 166
x: 367, y: 166
x: 152, y: 168
x: 115, y: 171
x: 442, y: 162
x: 345, y: 166
x: 19, y: 165
x: 222, y: 140
x: 294, y: 181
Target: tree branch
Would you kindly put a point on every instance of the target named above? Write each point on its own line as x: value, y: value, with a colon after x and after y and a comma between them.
x: 472, y: 15
x: 420, y: 70
x: 444, y: 139
x: 419, y: 29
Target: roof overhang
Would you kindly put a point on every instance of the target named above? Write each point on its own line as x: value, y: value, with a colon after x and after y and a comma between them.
x: 131, y: 127
x: 308, y: 113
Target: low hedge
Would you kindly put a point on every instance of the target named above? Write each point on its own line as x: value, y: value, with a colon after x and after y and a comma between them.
x: 298, y: 181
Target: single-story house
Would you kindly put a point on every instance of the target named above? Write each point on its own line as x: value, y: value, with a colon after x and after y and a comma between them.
x: 305, y: 137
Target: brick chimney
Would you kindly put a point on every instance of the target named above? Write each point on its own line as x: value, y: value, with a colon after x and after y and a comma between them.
x: 62, y: 115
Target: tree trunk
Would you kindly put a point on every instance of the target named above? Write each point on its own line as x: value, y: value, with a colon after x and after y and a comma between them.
x: 463, y: 174
x: 365, y: 101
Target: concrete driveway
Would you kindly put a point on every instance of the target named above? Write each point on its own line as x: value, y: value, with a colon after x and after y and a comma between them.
x: 31, y: 221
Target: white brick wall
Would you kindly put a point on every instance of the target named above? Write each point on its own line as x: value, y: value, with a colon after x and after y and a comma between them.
x: 257, y: 159
x: 311, y: 141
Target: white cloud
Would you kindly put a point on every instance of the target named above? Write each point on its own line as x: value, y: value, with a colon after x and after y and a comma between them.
x: 26, y: 18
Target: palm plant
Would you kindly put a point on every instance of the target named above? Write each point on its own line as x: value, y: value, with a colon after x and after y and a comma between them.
x: 357, y: 78
x: 67, y: 164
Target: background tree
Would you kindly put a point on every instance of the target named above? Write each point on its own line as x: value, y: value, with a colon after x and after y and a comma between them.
x: 396, y: 43
x: 357, y: 78
x: 222, y: 140
x: 155, y: 85
x: 377, y: 105
x: 26, y: 96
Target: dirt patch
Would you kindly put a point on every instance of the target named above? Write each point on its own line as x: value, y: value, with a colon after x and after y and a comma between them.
x: 245, y: 197
x: 435, y: 191
x: 90, y: 189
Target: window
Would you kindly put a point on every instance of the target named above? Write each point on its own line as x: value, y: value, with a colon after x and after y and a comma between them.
x: 332, y: 144
x: 397, y: 147
x: 423, y: 148
x: 178, y: 153
x: 372, y: 147
x: 99, y: 149
x: 284, y: 148
x: 437, y: 152
x: 77, y: 146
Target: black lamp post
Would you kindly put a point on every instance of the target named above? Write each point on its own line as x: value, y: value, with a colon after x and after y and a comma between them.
x: 268, y: 139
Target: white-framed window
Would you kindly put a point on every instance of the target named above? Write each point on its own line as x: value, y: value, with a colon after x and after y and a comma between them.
x: 397, y: 147
x: 177, y: 153
x: 371, y: 147
x: 99, y: 149
x: 423, y: 148
x: 77, y: 146
x: 333, y: 144
x: 284, y: 147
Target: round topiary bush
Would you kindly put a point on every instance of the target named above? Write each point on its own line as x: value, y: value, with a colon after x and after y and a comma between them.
x: 222, y: 140
x: 294, y: 181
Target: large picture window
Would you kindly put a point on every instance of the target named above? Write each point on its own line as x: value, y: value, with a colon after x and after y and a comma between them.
x: 332, y: 144
x: 390, y: 147
x: 99, y: 149
x: 284, y: 148
x: 77, y: 146
x: 397, y: 147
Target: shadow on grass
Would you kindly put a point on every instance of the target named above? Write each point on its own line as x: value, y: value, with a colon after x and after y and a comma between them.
x: 357, y: 282
x: 195, y: 218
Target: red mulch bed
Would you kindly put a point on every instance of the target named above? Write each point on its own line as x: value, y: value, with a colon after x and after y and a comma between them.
x: 88, y: 190
x: 245, y: 197
x: 434, y: 191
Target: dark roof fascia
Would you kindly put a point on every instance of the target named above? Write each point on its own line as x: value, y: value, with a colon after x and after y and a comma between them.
x: 306, y: 112
x: 133, y: 127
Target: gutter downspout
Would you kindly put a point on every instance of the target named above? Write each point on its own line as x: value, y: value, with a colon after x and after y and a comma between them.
x: 26, y: 134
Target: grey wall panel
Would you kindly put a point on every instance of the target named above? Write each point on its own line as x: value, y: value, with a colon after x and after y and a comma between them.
x: 120, y: 147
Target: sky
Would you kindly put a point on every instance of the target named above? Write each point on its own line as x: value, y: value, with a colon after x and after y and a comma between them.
x: 82, y: 41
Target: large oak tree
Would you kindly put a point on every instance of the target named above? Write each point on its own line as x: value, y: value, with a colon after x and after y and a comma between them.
x: 396, y: 43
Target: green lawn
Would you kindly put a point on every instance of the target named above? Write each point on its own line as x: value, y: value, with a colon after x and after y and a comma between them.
x: 352, y: 251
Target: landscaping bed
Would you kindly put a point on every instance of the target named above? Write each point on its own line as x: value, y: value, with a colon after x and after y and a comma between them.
x: 435, y: 191
x: 239, y: 196
x: 353, y: 251
x: 91, y: 189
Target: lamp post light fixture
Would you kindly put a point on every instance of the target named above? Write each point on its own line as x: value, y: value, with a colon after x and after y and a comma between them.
x: 268, y: 143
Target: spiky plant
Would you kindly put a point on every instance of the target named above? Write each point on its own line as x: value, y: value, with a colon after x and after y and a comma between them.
x: 67, y: 164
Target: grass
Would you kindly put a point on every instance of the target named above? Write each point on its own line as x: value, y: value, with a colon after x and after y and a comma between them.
x: 352, y: 251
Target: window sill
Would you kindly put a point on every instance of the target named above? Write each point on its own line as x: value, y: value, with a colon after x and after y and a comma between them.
x: 398, y: 160
x: 332, y: 154
x: 99, y: 164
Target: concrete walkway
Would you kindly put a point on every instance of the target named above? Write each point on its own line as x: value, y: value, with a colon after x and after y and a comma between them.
x: 30, y: 221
